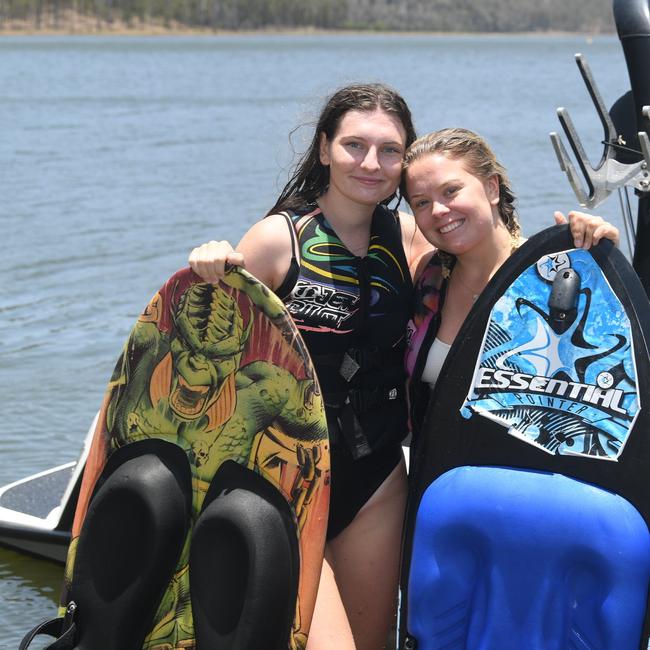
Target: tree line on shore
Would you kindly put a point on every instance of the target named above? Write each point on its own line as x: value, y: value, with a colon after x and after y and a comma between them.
x: 591, y: 16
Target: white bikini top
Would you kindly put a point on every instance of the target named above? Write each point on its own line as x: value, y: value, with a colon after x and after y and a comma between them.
x: 436, y: 357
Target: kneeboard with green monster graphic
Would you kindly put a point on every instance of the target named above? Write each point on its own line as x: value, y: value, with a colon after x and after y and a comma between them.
x: 203, y: 509
x: 529, y: 502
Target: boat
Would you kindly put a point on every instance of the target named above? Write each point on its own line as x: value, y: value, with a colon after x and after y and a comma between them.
x: 36, y: 512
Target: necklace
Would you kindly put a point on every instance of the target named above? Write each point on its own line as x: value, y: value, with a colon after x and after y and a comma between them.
x: 467, y: 288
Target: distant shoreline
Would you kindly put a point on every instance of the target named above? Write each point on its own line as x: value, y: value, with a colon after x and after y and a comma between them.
x: 156, y: 31
x: 80, y: 25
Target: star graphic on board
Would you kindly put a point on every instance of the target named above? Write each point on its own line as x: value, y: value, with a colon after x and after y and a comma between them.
x: 552, y: 264
x: 549, y: 265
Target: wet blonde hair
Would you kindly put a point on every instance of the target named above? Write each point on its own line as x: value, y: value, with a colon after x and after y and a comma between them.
x: 479, y: 160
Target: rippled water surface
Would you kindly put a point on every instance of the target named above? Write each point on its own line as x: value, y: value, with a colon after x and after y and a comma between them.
x: 119, y: 154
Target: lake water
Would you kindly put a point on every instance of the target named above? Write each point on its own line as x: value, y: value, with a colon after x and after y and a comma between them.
x: 118, y: 154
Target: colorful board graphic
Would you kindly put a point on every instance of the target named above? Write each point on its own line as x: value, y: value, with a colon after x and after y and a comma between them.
x: 220, y: 371
x: 569, y: 388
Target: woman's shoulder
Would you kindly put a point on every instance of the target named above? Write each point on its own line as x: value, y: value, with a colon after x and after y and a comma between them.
x: 430, y: 271
x: 270, y: 231
x: 427, y: 291
x: 417, y: 249
x: 266, y: 247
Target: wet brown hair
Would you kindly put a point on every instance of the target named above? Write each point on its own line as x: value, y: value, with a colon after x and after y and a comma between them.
x: 310, y: 178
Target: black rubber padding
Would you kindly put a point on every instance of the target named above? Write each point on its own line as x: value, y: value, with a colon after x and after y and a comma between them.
x: 244, y: 564
x: 130, y: 543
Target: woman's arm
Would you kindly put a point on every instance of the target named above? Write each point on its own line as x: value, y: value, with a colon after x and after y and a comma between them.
x: 265, y: 252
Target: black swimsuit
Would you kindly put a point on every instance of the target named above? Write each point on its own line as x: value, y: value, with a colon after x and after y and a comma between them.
x: 352, y: 313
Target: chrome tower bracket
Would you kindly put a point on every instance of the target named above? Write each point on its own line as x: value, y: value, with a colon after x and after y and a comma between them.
x: 609, y: 174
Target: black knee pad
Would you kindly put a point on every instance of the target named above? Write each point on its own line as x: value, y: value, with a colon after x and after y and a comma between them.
x: 244, y: 564
x: 130, y: 543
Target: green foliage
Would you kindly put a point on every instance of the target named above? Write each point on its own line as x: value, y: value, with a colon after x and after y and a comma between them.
x: 417, y: 15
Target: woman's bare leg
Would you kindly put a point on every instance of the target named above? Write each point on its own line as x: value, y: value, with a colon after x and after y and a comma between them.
x: 329, y: 627
x: 365, y: 560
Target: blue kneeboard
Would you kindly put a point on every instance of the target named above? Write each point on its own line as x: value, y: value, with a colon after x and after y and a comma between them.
x: 529, y: 502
